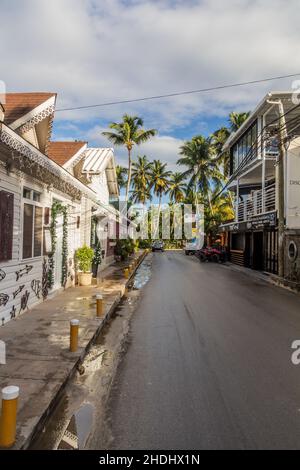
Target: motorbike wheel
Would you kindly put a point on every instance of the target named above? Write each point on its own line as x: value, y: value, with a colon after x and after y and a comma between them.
x: 215, y: 258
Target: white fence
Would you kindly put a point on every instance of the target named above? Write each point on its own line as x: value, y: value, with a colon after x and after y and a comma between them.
x: 257, y: 202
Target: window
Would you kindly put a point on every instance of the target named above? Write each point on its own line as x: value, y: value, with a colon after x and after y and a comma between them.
x: 6, y: 225
x: 27, y: 193
x: 245, y: 148
x: 32, y: 225
x: 31, y: 194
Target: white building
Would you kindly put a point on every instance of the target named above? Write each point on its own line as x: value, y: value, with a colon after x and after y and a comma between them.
x: 252, y: 237
x: 35, y: 184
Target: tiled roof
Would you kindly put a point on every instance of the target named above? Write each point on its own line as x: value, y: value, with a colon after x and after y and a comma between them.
x: 61, y: 152
x: 19, y: 104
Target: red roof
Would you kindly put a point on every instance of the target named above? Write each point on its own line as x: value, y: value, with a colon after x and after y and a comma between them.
x: 19, y: 104
x: 62, y: 152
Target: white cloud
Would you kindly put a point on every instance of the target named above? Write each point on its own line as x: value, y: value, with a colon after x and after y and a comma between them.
x: 97, y: 51
x: 160, y: 147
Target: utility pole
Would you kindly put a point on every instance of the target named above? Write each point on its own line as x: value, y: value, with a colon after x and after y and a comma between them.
x: 280, y: 190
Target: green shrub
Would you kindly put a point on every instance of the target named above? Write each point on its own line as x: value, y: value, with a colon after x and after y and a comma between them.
x: 125, y: 248
x: 144, y: 244
x: 84, y: 256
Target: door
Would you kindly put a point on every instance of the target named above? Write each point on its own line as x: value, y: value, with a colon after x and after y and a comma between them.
x: 248, y: 236
x: 271, y: 251
x: 258, y: 252
x: 58, y: 253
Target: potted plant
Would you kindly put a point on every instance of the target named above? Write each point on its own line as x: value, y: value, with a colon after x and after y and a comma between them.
x: 84, y: 257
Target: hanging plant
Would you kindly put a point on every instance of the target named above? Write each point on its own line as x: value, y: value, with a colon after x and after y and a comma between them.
x: 57, y: 209
x: 97, y: 260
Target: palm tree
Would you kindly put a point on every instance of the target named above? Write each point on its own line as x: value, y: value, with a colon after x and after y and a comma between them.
x: 141, y: 172
x: 217, y: 212
x: 140, y: 195
x: 202, y: 169
x: 218, y: 139
x: 177, y: 187
x: 121, y: 176
x: 159, y: 179
x: 159, y: 183
x: 129, y: 132
x: 237, y: 119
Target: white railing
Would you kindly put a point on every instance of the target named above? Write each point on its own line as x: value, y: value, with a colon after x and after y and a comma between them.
x: 257, y: 202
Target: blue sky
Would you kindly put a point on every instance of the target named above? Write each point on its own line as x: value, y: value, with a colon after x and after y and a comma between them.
x: 93, y: 51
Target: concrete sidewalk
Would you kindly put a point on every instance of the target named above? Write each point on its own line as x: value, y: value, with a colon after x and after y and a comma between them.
x: 37, y: 346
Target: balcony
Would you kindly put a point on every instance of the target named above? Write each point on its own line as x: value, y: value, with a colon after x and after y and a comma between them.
x: 257, y: 203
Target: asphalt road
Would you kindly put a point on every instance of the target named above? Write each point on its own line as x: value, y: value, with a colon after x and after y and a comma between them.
x: 209, y: 362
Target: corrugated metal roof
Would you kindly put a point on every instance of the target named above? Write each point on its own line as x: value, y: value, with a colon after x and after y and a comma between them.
x: 97, y: 160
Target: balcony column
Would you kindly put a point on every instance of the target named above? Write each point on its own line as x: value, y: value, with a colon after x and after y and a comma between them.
x: 237, y: 200
x: 263, y: 184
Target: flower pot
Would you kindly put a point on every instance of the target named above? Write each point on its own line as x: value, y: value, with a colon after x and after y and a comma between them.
x: 85, y: 279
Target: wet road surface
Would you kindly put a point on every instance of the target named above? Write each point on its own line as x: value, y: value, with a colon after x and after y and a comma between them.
x: 209, y: 363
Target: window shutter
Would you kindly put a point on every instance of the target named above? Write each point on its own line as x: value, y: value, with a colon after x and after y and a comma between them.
x: 6, y: 225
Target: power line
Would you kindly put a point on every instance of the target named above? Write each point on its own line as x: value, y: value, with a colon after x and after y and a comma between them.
x: 182, y: 93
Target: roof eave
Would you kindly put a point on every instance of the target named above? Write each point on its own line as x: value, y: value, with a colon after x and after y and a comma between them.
x: 254, y: 114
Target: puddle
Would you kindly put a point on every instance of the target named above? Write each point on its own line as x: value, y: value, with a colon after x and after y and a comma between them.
x: 75, y: 420
x: 79, y: 428
x: 142, y: 275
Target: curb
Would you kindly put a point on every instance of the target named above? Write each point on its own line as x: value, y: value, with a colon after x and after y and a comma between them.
x: 263, y: 276
x: 42, y: 420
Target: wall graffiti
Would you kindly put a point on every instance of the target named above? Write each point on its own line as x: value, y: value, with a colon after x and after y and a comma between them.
x: 45, y: 282
x: 18, y: 291
x: 13, y: 313
x: 36, y: 286
x: 2, y: 275
x: 3, y: 299
x: 24, y: 301
x: 23, y: 271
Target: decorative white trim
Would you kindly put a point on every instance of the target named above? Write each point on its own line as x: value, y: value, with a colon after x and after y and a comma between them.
x: 49, y: 111
x: 77, y: 157
x: 34, y: 156
x: 39, y: 110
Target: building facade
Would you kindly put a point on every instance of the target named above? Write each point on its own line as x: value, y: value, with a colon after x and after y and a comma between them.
x: 50, y: 193
x: 255, y: 185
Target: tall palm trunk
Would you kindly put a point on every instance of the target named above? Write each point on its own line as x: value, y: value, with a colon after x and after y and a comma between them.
x: 158, y: 218
x: 129, y: 174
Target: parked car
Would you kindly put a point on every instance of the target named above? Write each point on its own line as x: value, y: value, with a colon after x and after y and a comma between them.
x: 158, y: 245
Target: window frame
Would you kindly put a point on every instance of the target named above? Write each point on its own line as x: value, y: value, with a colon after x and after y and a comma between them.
x: 35, y: 204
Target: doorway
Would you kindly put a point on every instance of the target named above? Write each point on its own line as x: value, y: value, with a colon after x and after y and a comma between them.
x: 258, y: 253
x: 248, y: 238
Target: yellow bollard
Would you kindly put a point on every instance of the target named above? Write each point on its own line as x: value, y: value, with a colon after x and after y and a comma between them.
x: 74, y: 327
x: 126, y: 273
x: 99, y: 304
x: 8, y: 423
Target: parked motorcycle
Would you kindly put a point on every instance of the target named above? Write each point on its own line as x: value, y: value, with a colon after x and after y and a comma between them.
x: 214, y: 254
